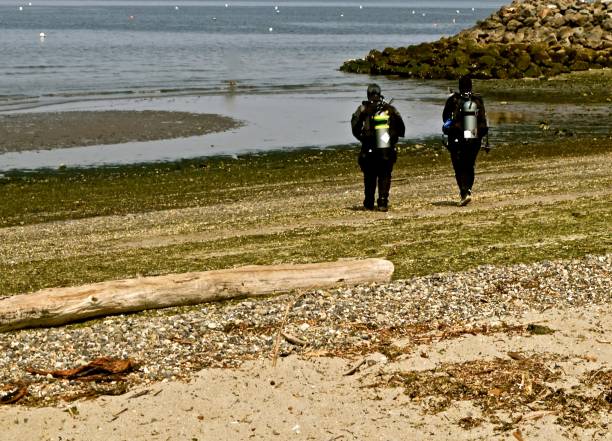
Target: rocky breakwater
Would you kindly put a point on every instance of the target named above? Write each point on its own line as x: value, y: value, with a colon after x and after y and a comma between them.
x: 528, y: 38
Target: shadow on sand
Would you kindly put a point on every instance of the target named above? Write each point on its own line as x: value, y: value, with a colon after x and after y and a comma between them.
x: 444, y: 203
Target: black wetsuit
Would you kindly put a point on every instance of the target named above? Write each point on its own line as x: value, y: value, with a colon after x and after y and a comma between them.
x: 376, y: 163
x: 463, y: 151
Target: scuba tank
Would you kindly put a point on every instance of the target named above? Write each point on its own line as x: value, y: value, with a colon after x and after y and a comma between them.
x: 381, y: 126
x: 469, y: 110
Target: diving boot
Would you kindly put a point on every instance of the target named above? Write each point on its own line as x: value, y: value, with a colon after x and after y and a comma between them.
x: 466, y: 199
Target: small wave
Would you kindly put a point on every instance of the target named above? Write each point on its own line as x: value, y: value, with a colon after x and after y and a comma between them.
x: 40, y: 67
x: 10, y: 102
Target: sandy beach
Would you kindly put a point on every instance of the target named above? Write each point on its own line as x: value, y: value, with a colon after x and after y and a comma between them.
x: 495, y: 327
x: 50, y: 130
x: 142, y: 146
x: 309, y: 397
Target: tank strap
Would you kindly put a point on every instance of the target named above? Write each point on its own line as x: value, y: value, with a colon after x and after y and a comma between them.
x: 381, y: 120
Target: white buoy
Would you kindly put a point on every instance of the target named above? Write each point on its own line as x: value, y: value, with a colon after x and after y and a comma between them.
x: 341, y: 15
x: 276, y: 8
x: 21, y: 8
x: 42, y: 36
x: 176, y: 8
x: 424, y: 14
x: 270, y: 29
x: 453, y: 20
x: 360, y: 7
x: 214, y: 18
x: 472, y: 9
x: 413, y: 12
x: 458, y: 11
x: 226, y: 5
x: 30, y: 4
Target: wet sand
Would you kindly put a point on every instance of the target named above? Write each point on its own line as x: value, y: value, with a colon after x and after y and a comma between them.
x: 51, y: 130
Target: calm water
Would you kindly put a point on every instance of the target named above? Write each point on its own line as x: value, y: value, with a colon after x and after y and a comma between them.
x: 250, y: 59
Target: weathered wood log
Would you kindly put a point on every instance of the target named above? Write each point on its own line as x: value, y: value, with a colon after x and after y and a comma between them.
x: 57, y: 306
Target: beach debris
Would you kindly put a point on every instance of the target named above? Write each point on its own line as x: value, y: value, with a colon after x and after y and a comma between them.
x: 182, y: 341
x: 100, y: 369
x: 115, y: 416
x: 277, y: 342
x: 495, y: 392
x: 11, y: 393
x: 469, y: 422
x: 116, y: 296
x: 534, y: 329
x: 139, y: 394
x: 293, y: 339
x: 491, y: 385
x: 355, y: 367
x: 516, y: 356
x: 72, y: 411
x: 518, y: 435
x: 538, y: 414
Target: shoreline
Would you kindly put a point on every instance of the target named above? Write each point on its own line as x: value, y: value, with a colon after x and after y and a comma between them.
x: 114, y: 133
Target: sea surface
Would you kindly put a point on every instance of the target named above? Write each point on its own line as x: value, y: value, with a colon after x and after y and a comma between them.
x: 273, y: 65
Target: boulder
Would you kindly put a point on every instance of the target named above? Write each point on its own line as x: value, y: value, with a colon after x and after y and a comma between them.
x: 576, y: 19
x: 594, y: 37
x: 533, y: 71
x: 523, y: 62
x: 579, y: 65
x: 513, y: 25
x: 557, y: 21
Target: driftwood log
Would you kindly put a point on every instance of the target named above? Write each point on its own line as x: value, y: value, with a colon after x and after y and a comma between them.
x: 57, y: 306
